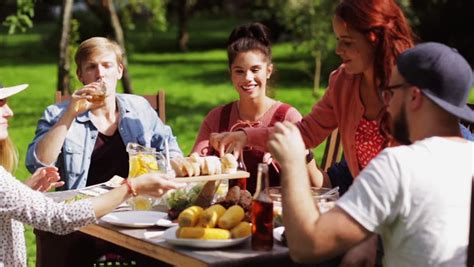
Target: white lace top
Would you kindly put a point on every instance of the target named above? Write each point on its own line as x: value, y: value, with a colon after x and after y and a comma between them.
x: 19, y: 204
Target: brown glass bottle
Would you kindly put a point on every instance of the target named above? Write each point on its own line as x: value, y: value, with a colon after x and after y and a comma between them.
x: 262, y: 212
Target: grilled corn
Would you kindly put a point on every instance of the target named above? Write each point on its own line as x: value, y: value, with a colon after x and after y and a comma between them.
x: 241, y: 230
x: 190, y: 216
x: 210, y: 216
x: 202, y: 233
x: 231, y: 217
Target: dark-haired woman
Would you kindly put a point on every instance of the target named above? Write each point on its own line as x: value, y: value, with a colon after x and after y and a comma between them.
x: 370, y: 35
x: 250, y: 65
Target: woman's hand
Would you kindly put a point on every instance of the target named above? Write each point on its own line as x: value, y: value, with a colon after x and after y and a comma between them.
x: 228, y: 142
x: 44, y: 179
x: 154, y: 184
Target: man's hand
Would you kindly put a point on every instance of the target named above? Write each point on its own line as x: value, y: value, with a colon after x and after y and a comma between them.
x: 228, y: 142
x: 81, y: 99
x: 362, y: 255
x: 44, y: 179
x: 286, y: 144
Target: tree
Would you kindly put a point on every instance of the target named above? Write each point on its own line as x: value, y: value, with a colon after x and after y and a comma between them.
x: 64, y: 63
x: 308, y: 24
x: 118, y: 34
x: 183, y: 35
x: 22, y: 19
x: 106, y: 10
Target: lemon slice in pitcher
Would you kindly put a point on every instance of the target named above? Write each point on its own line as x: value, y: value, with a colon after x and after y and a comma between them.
x: 149, y: 162
x: 135, y: 166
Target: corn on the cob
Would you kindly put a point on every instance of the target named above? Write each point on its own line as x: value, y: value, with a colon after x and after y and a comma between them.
x: 243, y: 229
x: 210, y: 216
x: 202, y: 233
x: 190, y: 216
x: 231, y: 217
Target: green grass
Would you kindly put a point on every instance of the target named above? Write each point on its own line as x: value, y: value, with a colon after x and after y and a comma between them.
x: 195, y: 82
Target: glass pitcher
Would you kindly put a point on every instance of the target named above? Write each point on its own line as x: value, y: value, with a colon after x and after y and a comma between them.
x: 143, y: 160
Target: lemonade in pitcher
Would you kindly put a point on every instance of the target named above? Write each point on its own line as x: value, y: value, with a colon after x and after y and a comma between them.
x: 142, y: 160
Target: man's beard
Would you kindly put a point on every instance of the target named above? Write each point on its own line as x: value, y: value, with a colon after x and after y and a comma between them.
x: 400, y: 128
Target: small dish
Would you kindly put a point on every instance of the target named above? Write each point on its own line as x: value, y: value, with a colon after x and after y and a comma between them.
x: 138, y: 219
x: 278, y: 233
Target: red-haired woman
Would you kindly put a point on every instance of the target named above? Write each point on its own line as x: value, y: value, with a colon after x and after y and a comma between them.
x: 370, y: 35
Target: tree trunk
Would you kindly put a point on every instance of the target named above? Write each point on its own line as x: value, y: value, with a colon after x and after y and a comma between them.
x: 118, y: 34
x: 317, y: 72
x: 64, y: 63
x: 183, y: 35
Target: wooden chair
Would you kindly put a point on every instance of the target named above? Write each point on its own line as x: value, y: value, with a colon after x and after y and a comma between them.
x: 332, y: 151
x: 156, y: 101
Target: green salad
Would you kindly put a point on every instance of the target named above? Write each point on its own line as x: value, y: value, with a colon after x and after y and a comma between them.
x: 180, y: 199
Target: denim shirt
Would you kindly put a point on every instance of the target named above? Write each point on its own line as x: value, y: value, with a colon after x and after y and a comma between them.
x: 138, y: 123
x: 466, y: 133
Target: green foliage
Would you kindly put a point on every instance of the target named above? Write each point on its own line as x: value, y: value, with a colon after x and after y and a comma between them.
x: 89, y: 24
x: 194, y: 82
x: 153, y: 12
x: 307, y: 23
x: 22, y: 19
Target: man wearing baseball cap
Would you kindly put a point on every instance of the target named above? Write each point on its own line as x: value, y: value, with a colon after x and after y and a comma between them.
x: 417, y: 197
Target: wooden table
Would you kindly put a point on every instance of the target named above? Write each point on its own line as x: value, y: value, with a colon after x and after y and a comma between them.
x: 149, y: 242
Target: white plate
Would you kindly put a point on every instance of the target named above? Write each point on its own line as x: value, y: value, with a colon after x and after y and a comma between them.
x: 166, y: 222
x: 278, y: 233
x: 170, y: 236
x: 138, y: 219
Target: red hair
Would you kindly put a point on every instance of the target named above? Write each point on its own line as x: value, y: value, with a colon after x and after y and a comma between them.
x: 383, y: 23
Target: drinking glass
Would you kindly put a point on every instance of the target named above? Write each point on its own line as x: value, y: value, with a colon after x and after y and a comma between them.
x: 324, y: 201
x: 98, y: 95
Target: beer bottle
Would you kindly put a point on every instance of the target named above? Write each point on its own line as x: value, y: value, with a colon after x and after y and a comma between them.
x: 262, y: 212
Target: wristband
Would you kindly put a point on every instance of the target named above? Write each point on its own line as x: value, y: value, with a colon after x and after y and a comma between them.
x: 309, y: 156
x: 131, y: 189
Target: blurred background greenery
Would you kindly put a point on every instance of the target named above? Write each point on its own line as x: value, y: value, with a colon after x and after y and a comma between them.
x: 179, y: 46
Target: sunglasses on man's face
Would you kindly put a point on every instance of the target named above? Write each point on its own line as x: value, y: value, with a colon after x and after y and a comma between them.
x: 386, y: 93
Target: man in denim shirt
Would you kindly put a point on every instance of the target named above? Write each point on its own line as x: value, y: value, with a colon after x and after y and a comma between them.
x: 85, y: 137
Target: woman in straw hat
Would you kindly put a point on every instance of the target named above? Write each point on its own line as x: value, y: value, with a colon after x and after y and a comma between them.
x: 20, y: 204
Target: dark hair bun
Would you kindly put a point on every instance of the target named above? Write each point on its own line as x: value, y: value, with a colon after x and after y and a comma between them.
x: 254, y: 30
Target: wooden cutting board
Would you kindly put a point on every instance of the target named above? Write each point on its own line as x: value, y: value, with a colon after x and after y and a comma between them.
x: 237, y: 175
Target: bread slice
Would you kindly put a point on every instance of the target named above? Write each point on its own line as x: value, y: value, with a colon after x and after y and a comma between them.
x: 177, y: 166
x: 229, y: 163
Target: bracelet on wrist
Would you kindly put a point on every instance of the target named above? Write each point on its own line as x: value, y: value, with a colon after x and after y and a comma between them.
x: 131, y: 189
x: 309, y: 156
